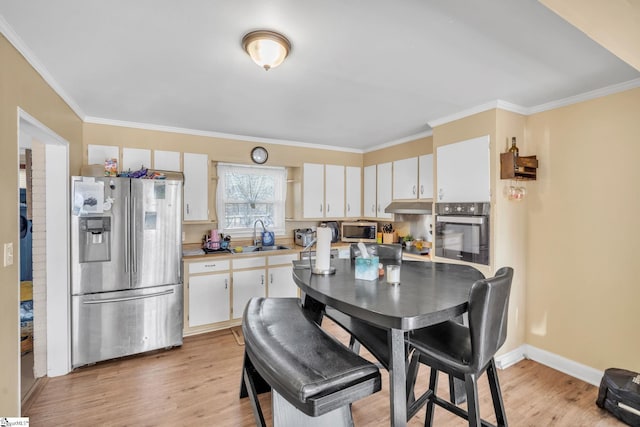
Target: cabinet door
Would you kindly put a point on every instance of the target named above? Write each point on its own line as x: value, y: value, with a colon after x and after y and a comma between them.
x: 354, y: 192
x: 313, y: 190
x: 246, y: 285
x: 463, y: 171
x: 425, y: 176
x: 384, y: 189
x: 405, y: 178
x: 334, y: 185
x: 209, y: 299
x: 196, y: 187
x: 281, y: 284
x: 369, y: 199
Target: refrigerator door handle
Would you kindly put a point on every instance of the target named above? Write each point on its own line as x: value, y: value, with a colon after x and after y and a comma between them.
x: 134, y: 249
x: 127, y: 213
x: 157, y: 294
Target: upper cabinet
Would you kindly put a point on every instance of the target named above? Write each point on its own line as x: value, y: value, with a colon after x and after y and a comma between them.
x: 353, y: 189
x: 313, y: 190
x: 369, y: 197
x: 377, y: 190
x: 413, y: 178
x: 405, y: 178
x: 334, y: 191
x: 384, y: 193
x: 196, y: 187
x: 463, y: 171
x: 425, y: 176
x: 315, y: 179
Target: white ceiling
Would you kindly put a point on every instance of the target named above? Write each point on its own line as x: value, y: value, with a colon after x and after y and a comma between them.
x: 361, y: 74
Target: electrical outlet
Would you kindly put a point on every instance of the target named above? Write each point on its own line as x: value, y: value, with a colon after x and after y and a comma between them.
x: 8, y: 254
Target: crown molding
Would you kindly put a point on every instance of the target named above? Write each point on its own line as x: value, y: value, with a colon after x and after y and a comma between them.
x: 597, y: 93
x: 400, y: 141
x: 185, y: 131
x: 28, y: 55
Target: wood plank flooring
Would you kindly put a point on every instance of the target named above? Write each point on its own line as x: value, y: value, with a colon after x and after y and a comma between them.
x: 198, y: 385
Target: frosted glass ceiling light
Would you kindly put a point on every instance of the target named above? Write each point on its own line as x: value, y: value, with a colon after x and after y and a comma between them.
x: 267, y: 48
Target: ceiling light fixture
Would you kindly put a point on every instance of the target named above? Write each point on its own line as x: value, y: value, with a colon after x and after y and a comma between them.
x: 267, y: 48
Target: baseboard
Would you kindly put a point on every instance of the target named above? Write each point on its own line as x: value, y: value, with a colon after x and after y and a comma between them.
x: 511, y: 358
x: 577, y: 370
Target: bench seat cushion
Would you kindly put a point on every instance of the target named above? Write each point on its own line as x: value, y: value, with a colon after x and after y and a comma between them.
x: 299, y: 360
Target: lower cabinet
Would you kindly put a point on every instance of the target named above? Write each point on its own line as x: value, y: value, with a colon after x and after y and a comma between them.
x: 209, y: 298
x: 246, y: 285
x: 217, y: 290
x: 281, y: 282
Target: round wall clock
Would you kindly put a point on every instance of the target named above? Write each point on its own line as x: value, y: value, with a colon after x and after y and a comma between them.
x: 259, y: 155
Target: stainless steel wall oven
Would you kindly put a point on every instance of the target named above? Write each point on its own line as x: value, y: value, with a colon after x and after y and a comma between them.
x: 462, y: 231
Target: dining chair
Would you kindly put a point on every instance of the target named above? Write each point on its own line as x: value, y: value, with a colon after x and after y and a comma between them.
x: 466, y: 352
x: 384, y: 251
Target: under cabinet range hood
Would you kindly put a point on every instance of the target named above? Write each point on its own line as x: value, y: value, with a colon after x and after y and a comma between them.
x: 410, y: 207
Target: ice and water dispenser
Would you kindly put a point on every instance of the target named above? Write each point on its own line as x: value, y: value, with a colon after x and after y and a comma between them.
x: 95, y: 239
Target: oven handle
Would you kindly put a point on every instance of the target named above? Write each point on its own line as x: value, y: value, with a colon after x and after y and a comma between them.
x: 461, y: 219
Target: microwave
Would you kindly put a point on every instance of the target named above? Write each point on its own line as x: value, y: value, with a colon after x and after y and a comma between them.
x: 359, y: 231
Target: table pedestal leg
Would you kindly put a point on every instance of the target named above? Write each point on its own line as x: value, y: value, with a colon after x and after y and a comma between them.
x: 398, y: 378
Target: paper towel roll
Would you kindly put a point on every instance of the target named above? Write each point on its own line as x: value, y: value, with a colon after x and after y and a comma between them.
x: 323, y: 248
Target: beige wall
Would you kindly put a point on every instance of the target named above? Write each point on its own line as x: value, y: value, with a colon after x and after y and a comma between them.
x: 583, y: 285
x: 508, y: 218
x: 401, y: 151
x: 21, y: 86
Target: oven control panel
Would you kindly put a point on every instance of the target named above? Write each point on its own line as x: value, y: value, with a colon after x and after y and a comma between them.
x: 467, y: 209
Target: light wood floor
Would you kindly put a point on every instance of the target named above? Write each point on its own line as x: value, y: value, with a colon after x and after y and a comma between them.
x: 198, y: 385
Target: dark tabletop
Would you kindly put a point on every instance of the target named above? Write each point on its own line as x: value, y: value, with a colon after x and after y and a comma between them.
x: 428, y: 292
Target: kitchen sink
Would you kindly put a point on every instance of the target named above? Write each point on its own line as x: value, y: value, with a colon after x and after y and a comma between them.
x: 247, y: 249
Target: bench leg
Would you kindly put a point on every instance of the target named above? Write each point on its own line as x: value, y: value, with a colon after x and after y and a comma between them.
x: 252, y: 384
x: 287, y: 415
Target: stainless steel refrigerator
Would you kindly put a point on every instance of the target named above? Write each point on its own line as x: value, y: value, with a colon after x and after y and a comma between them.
x: 126, y: 256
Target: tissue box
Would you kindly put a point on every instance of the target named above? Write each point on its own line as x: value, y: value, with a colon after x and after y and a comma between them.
x: 367, y: 268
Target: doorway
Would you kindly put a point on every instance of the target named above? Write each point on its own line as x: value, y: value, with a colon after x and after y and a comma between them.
x: 50, y: 347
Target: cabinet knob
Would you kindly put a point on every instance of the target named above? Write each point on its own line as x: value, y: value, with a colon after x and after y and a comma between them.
x: 226, y: 283
x: 328, y: 207
x: 422, y: 189
x: 348, y: 207
x: 271, y: 278
x: 187, y: 207
x: 414, y: 189
x: 320, y: 207
x: 262, y: 279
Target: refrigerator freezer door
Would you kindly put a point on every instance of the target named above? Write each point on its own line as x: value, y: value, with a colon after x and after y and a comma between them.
x: 87, y: 274
x: 115, y: 324
x: 156, y: 230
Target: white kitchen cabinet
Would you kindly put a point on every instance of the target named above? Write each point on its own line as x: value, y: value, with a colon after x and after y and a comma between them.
x: 196, y: 187
x: 246, y: 285
x: 370, y: 189
x: 281, y: 284
x: 313, y: 190
x: 209, y: 297
x: 384, y: 193
x: 463, y: 171
x: 334, y: 196
x: 353, y: 191
x: 134, y: 159
x: 425, y: 176
x: 405, y: 179
x: 166, y: 160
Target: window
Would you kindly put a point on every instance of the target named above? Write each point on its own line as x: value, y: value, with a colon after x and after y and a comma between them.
x: 249, y: 193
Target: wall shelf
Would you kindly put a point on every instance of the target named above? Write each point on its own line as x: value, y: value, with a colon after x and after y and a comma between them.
x: 519, y: 168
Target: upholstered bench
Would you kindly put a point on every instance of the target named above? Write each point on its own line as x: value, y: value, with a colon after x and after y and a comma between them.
x: 312, y: 376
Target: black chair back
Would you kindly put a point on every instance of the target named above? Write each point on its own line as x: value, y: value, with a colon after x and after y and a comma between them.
x: 382, y: 251
x: 488, y: 313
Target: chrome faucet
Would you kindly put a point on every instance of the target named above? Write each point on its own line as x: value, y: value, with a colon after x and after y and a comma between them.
x: 255, y: 236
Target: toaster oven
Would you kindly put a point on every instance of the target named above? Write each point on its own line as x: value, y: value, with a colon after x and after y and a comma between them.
x: 359, y: 231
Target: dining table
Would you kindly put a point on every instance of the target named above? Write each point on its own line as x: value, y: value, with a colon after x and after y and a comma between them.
x: 428, y: 293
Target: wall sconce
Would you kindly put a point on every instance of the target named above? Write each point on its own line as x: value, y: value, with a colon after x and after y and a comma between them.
x: 268, y: 49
